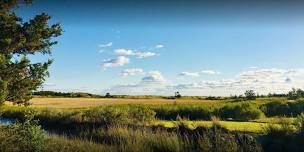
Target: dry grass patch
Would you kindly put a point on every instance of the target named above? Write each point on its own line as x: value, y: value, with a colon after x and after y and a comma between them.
x: 93, y: 102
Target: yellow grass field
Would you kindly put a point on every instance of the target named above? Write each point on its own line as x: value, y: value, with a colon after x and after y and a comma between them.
x: 91, y: 102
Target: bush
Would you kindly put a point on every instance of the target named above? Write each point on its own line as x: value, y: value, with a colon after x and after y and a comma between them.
x: 241, y: 112
x: 106, y: 115
x: 299, y: 122
x: 25, y: 137
x: 119, y: 115
x: 289, y: 109
x: 140, y: 114
x: 217, y: 139
x: 189, y: 112
x: 281, y: 137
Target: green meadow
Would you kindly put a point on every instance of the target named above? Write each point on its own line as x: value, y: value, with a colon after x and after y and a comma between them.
x: 181, y: 124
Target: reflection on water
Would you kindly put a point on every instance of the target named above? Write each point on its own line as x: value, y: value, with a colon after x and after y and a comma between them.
x: 6, y: 121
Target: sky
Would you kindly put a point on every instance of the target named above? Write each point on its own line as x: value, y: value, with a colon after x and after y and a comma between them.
x: 141, y: 47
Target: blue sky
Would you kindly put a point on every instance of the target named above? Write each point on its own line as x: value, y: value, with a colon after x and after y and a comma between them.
x: 158, y: 47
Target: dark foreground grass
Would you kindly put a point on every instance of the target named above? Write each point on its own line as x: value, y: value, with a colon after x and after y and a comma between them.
x: 125, y: 138
x: 54, y: 143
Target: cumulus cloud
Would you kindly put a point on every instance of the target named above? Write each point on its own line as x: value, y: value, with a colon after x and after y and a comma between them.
x: 105, y: 45
x: 138, y: 54
x: 262, y: 81
x: 144, y: 54
x: 132, y: 71
x: 153, y: 77
x: 153, y: 83
x: 197, y: 74
x: 269, y: 75
x: 209, y: 72
x: 192, y: 74
x: 119, y: 61
x: 159, y: 46
x: 123, y: 52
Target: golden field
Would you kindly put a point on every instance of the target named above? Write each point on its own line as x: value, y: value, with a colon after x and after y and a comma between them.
x: 91, y: 102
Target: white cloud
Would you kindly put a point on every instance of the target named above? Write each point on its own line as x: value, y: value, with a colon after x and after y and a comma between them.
x: 252, y: 67
x: 159, y: 46
x: 133, y: 71
x: 49, y: 84
x: 154, y: 77
x: 192, y: 74
x: 123, y: 52
x: 144, y: 54
x: 105, y: 45
x: 120, y: 61
x: 262, y: 81
x: 209, y: 72
x: 151, y: 84
x: 138, y: 54
x: 197, y: 74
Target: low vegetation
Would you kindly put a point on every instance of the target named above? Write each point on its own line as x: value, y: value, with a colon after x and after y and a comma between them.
x: 260, y: 124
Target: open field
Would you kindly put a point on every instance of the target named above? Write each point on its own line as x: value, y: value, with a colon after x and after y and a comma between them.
x: 93, y: 102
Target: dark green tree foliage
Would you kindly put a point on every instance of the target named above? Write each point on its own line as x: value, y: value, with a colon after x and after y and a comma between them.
x: 250, y: 95
x: 18, y: 39
x: 295, y: 94
x: 178, y: 95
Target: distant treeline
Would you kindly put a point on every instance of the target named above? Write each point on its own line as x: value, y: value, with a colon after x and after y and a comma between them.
x: 248, y: 95
x: 66, y: 94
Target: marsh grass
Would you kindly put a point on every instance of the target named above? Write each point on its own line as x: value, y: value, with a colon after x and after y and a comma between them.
x: 131, y: 139
x: 55, y: 143
x: 164, y: 127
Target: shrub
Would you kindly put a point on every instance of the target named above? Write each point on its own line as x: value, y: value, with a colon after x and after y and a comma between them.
x: 106, y: 115
x: 26, y: 136
x: 283, y: 109
x: 275, y: 109
x: 299, y: 122
x: 241, y: 112
x: 189, y: 112
x: 140, y: 114
x: 216, y: 139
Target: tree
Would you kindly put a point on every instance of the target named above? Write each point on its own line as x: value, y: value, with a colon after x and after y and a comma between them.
x: 295, y: 94
x: 19, y: 77
x: 178, y: 95
x: 250, y: 95
x: 108, y: 95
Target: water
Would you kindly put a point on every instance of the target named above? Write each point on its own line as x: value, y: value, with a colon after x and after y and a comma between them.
x: 6, y: 121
